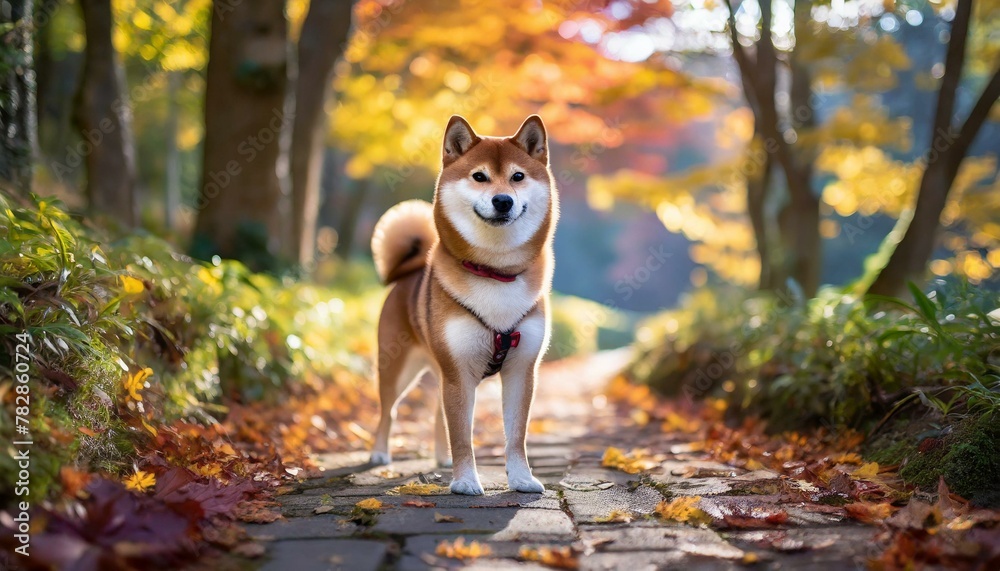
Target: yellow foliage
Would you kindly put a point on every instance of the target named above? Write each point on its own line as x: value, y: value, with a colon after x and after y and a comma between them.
x: 458, y: 549
x: 684, y: 510
x: 867, y: 471
x: 418, y: 489
x: 629, y: 462
x: 369, y: 504
x: 557, y: 557
x: 140, y: 481
x: 616, y: 516
x: 136, y: 382
x: 132, y: 286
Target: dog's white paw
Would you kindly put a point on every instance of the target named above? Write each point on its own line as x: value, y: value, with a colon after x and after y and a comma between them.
x: 524, y: 483
x: 380, y: 458
x: 467, y: 487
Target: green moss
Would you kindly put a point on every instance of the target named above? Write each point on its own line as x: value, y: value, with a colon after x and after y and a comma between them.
x: 968, y: 459
x: 972, y: 463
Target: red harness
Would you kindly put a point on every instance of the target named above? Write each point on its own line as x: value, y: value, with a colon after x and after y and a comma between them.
x: 502, y: 341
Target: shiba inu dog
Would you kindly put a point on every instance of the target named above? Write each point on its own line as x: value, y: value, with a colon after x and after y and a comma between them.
x: 471, y: 274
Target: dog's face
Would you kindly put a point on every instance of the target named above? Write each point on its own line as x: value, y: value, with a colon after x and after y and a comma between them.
x: 496, y: 192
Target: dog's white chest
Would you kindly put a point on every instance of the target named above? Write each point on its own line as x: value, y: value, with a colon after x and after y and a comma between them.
x: 501, y: 305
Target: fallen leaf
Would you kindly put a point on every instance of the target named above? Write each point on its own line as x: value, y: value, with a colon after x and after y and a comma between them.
x: 868, y: 471
x: 629, y: 462
x: 369, y: 504
x: 442, y: 518
x: 140, y: 481
x: 616, y: 516
x: 718, y: 549
x: 869, y: 512
x: 558, y: 557
x: 256, y: 511
x: 418, y: 504
x: 323, y: 510
x: 684, y: 510
x: 417, y: 489
x: 458, y: 549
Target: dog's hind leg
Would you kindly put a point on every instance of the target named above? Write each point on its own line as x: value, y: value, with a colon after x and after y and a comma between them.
x: 395, y: 377
x: 442, y: 448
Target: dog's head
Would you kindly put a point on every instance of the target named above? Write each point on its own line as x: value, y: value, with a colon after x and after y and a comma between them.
x: 497, y: 192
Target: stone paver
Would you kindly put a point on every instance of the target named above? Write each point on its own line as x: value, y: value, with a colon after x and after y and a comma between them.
x: 326, y: 555
x: 579, y: 494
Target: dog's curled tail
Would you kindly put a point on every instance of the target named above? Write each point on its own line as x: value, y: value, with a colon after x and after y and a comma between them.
x: 402, y: 238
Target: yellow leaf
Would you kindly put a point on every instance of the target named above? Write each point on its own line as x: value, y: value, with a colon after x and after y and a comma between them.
x: 152, y: 429
x: 631, y: 463
x: 136, y: 382
x: 753, y: 465
x: 866, y: 472
x: 848, y: 458
x: 140, y: 481
x: 458, y: 549
x: 557, y: 557
x: 207, y: 471
x: 684, y: 510
x: 132, y: 286
x: 416, y: 489
x: 369, y: 504
x: 616, y: 516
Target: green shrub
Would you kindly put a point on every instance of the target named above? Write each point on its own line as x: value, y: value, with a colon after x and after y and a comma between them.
x: 99, y: 310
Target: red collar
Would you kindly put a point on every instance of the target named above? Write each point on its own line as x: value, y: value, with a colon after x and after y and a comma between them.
x: 488, y: 272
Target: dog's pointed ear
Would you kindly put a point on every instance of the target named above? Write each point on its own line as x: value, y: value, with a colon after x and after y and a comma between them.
x: 532, y: 138
x: 458, y: 139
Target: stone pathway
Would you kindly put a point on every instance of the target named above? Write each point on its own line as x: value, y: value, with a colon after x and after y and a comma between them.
x: 573, y: 426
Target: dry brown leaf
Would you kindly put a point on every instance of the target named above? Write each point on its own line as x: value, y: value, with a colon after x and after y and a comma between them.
x: 558, y: 557
x: 418, y: 504
x: 443, y: 518
x: 869, y: 512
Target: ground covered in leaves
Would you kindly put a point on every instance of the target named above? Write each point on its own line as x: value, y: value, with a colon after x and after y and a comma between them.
x: 632, y: 481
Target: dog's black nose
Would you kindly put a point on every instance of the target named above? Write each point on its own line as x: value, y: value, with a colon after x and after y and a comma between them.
x: 503, y: 203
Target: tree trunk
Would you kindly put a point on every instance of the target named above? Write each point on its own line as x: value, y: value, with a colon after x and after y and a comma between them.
x: 947, y: 150
x: 244, y: 116
x: 798, y: 223
x: 172, y: 185
x: 799, y: 220
x: 323, y: 38
x: 102, y: 117
x: 758, y: 183
x: 349, y: 221
x: 17, y: 97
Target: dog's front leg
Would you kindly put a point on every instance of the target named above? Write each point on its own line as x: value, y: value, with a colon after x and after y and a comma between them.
x: 518, y: 392
x: 459, y: 399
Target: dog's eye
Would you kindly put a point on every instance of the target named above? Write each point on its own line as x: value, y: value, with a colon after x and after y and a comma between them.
x: 479, y: 177
x: 517, y: 177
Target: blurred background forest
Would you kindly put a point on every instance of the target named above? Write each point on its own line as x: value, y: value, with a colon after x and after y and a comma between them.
x: 658, y: 129
x: 748, y: 188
